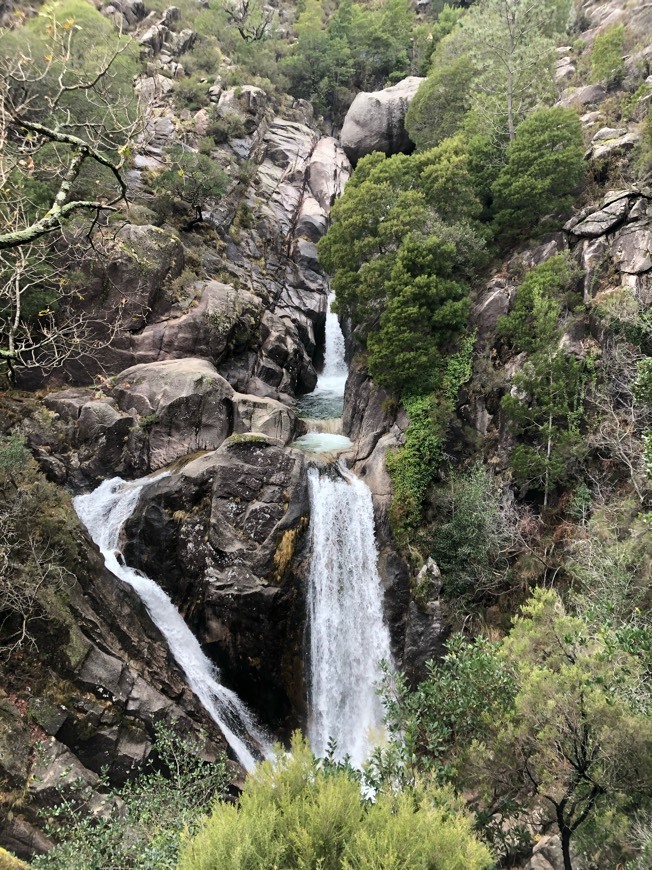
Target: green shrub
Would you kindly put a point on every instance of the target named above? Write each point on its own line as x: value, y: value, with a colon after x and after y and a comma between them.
x: 191, y: 92
x: 472, y: 539
x: 607, y: 63
x: 438, y: 721
x: 420, y: 320
x: 533, y: 322
x: 191, y: 178
x: 295, y: 813
x: 413, y: 466
x: 439, y: 106
x: 545, y: 166
x: 546, y: 411
x: 142, y: 829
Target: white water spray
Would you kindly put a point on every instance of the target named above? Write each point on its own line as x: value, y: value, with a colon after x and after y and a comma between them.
x: 348, y: 636
x: 104, y: 512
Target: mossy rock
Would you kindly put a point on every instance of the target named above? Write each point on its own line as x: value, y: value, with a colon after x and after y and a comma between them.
x: 10, y: 862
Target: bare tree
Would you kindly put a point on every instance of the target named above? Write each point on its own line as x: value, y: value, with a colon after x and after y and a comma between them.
x: 68, y: 124
x: 620, y: 419
x: 55, y: 120
x: 41, y: 324
x: 252, y: 19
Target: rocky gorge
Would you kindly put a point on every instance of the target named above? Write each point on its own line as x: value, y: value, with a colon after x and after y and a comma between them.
x: 211, y: 337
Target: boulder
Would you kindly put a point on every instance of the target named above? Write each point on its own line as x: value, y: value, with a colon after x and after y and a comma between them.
x: 226, y: 538
x: 328, y: 172
x: 283, y: 362
x: 376, y: 121
x: 611, y: 141
x: 632, y: 248
x: 246, y: 103
x: 612, y: 212
x: 153, y: 89
x: 586, y: 96
x: 186, y: 405
x: 219, y: 320
x: 264, y: 416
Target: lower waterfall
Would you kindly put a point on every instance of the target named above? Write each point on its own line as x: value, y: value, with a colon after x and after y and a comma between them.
x: 348, y: 636
x: 104, y: 512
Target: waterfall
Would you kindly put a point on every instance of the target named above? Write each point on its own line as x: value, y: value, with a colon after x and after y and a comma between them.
x: 326, y: 400
x: 348, y: 637
x: 104, y: 513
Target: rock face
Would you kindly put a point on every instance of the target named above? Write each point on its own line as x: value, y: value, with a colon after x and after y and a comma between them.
x: 106, y: 679
x: 225, y: 537
x: 426, y: 630
x: 617, y: 232
x: 149, y: 416
x: 376, y: 121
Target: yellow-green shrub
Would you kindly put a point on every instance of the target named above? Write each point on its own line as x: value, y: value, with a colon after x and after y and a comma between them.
x: 295, y: 814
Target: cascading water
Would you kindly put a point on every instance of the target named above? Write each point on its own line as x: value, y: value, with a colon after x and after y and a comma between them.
x: 104, y: 512
x: 348, y: 636
x: 326, y: 400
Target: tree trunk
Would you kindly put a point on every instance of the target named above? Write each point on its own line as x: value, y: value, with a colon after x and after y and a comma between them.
x: 565, y: 836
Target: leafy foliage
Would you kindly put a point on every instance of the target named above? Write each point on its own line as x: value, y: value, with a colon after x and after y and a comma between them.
x: 192, y: 178
x: 473, y: 537
x: 413, y: 466
x: 456, y: 704
x: 545, y: 166
x: 546, y: 410
x: 355, y: 48
x: 533, y: 323
x: 577, y: 735
x: 607, y: 63
x: 142, y: 829
x: 296, y: 813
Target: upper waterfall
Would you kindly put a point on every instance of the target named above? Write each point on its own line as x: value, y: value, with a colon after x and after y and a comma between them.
x: 327, y: 399
x: 348, y: 636
x: 104, y: 512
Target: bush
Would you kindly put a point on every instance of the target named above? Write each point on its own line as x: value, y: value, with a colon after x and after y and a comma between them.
x: 413, y: 466
x: 607, y: 64
x: 439, y: 106
x: 192, y: 178
x: 474, y: 535
x: 532, y: 324
x: 420, y: 320
x: 545, y: 166
x: 142, y: 828
x: 295, y: 813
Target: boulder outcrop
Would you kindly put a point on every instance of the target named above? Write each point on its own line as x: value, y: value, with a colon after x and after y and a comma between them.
x: 376, y: 121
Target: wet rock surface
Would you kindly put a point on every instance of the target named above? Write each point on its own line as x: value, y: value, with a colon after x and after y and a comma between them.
x: 226, y: 538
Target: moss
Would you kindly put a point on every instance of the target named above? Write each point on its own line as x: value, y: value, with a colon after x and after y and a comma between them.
x: 246, y: 438
x: 286, y: 548
x: 10, y: 862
